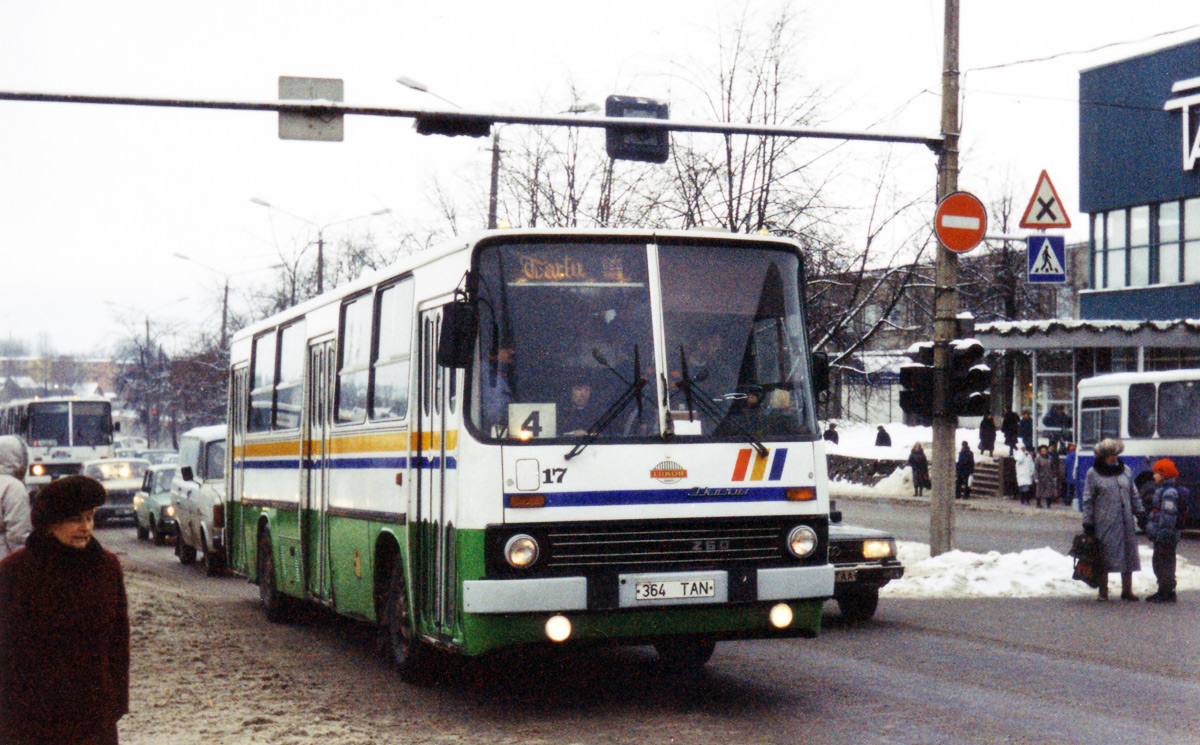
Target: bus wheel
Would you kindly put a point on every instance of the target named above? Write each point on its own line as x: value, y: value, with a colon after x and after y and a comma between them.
x: 678, y: 654
x: 212, y: 562
x: 274, y: 604
x: 859, y: 605
x: 186, y: 553
x: 411, y: 656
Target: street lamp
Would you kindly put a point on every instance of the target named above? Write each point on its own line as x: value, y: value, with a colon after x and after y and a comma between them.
x: 320, y: 233
x: 225, y: 299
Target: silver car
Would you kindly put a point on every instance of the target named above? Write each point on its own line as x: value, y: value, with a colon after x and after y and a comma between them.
x: 198, y: 496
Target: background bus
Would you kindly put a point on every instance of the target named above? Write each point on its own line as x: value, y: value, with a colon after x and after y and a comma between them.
x: 61, y: 433
x: 1156, y: 415
x: 613, y: 440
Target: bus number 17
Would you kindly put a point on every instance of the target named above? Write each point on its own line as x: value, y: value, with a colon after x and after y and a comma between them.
x: 554, y: 475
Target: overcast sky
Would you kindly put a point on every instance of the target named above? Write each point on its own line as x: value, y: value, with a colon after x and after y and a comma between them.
x: 95, y: 200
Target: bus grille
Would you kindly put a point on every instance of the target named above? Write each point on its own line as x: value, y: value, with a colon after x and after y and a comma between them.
x: 622, y: 546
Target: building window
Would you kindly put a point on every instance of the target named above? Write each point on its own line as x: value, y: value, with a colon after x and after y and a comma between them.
x: 1191, y: 235
x: 1168, y: 243
x: 1139, y: 246
x: 1114, y: 244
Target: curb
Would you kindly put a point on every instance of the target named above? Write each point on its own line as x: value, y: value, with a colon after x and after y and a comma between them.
x: 983, y: 504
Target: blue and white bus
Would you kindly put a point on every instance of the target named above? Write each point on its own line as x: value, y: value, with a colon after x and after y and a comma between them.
x: 61, y: 433
x: 1156, y: 415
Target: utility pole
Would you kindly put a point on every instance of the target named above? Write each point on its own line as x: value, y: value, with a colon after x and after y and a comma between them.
x: 494, y: 194
x: 320, y: 261
x: 945, y: 305
x: 225, y: 315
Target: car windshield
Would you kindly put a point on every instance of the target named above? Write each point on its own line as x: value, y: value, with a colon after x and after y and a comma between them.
x: 566, y: 344
x: 116, y: 470
x: 162, y: 481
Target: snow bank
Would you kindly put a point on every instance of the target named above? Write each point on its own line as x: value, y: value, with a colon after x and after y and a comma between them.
x: 1034, y: 573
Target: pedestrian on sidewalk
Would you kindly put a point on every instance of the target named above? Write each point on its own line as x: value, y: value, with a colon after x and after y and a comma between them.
x: 987, y: 435
x: 1110, y: 503
x: 64, y: 626
x: 1009, y: 427
x: 882, y: 438
x: 962, y: 472
x: 1045, y: 477
x: 14, y: 499
x: 1162, y: 528
x: 831, y: 434
x: 1024, y: 475
x: 919, y: 466
x: 1025, y: 430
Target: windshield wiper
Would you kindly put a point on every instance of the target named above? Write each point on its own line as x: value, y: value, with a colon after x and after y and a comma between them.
x: 703, y: 402
x: 632, y: 392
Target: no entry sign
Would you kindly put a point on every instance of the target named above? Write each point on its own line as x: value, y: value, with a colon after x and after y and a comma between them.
x: 960, y: 221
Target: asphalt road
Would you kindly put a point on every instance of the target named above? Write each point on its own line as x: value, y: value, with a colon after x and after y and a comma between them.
x: 922, y: 672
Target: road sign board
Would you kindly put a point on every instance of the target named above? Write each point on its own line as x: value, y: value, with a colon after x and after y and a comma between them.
x: 1047, y: 258
x: 1045, y: 209
x: 303, y: 126
x: 960, y: 221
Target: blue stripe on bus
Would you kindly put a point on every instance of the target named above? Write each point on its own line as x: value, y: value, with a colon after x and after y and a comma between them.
x: 656, y: 496
x: 352, y: 463
x: 777, y: 464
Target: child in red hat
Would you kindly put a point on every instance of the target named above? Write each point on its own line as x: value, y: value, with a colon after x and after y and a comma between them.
x: 1162, y: 528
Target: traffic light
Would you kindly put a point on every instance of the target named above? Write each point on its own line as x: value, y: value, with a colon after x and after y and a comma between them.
x: 636, y: 143
x: 916, y: 381
x: 969, y: 378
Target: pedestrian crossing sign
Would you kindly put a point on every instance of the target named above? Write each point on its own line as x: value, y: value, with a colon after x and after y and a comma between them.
x: 1047, y: 258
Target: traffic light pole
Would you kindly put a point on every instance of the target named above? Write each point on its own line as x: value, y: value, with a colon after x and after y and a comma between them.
x: 945, y: 304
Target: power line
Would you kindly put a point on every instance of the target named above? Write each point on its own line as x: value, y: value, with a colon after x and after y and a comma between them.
x: 1083, y: 51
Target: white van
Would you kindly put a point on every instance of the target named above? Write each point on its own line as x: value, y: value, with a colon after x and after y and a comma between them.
x: 198, y: 496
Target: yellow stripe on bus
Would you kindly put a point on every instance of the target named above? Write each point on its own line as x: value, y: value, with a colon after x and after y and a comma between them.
x: 352, y: 444
x: 760, y: 467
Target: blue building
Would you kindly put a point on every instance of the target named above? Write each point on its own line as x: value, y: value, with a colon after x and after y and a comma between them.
x: 1139, y: 186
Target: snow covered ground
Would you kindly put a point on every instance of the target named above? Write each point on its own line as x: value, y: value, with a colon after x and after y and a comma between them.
x: 1040, y: 572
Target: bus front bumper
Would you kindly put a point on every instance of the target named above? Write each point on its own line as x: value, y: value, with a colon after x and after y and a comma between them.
x: 551, y: 594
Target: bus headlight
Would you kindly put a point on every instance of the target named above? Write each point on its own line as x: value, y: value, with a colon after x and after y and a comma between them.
x: 521, y: 551
x: 38, y: 469
x: 170, y: 510
x: 802, y: 541
x: 875, y: 548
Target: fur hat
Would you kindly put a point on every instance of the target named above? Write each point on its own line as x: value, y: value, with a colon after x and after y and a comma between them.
x: 65, y: 498
x: 1108, y: 447
x: 1166, y: 468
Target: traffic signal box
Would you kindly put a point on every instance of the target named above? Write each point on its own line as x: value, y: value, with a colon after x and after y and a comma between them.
x: 969, y: 380
x: 916, y: 382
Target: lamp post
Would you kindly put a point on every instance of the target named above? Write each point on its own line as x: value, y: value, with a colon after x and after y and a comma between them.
x: 225, y: 295
x: 320, y: 233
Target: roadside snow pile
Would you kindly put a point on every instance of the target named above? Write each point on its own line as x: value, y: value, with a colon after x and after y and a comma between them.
x: 1035, y: 573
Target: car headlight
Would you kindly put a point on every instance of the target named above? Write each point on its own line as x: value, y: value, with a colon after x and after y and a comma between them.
x: 802, y: 541
x: 137, y: 500
x: 521, y: 551
x: 170, y: 510
x: 877, y: 548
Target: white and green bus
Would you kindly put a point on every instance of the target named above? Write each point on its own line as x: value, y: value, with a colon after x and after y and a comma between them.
x: 535, y: 436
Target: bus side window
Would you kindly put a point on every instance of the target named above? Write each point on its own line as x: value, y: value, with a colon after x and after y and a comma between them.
x: 1141, y: 410
x: 1179, y: 409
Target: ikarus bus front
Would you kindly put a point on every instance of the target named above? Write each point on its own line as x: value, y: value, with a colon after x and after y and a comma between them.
x: 542, y: 436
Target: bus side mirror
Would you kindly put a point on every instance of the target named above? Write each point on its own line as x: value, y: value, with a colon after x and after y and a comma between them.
x: 186, y: 474
x: 820, y: 368
x: 460, y: 323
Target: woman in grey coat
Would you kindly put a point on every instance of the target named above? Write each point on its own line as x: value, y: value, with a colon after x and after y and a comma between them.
x: 15, y: 524
x: 1109, y: 503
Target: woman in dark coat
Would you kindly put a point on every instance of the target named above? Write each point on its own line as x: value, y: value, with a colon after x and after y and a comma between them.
x: 920, y: 469
x: 1110, y: 501
x: 64, y: 627
x: 1009, y: 427
x: 987, y: 435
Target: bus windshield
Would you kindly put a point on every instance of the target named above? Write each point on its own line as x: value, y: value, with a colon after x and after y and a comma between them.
x: 566, y: 339
x: 50, y: 424
x: 91, y: 423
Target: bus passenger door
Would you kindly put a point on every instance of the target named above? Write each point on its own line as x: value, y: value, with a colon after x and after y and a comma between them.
x: 433, y: 455
x: 235, y: 521
x: 314, y: 513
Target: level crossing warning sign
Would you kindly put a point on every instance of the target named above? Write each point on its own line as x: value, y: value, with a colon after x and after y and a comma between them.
x: 1045, y: 209
x: 1047, y: 258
